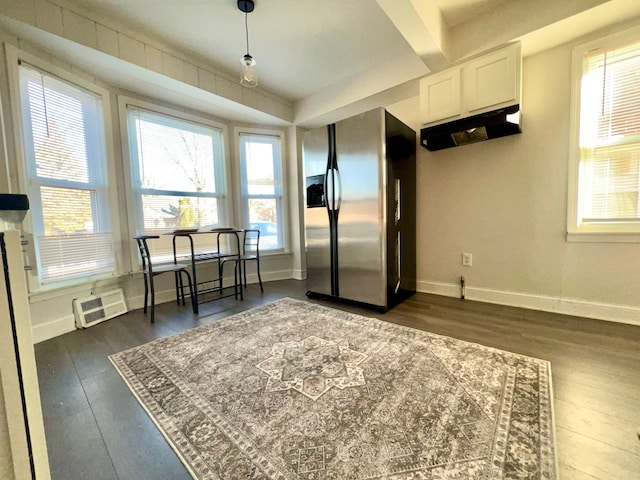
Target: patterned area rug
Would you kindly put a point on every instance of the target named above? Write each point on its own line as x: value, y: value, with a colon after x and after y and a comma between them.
x: 293, y: 390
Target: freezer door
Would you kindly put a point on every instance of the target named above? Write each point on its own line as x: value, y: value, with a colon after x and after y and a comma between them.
x: 317, y: 234
x: 361, y: 242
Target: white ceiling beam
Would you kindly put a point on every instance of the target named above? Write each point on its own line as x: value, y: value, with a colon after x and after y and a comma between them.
x: 423, y: 27
x: 349, y: 92
x: 510, y: 21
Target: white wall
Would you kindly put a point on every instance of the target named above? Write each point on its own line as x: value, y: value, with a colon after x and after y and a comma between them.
x: 505, y: 202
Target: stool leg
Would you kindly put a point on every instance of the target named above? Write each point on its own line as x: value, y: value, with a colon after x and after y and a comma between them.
x: 239, y: 283
x: 259, y: 277
x: 153, y: 301
x: 235, y: 279
x: 182, y: 285
x: 146, y: 291
x: 179, y: 287
x: 177, y: 280
x: 244, y: 272
x: 193, y: 298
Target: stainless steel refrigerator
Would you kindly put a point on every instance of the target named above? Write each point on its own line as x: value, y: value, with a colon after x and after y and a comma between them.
x: 360, y: 215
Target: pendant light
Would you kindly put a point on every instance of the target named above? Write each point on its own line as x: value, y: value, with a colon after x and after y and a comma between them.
x: 248, y: 77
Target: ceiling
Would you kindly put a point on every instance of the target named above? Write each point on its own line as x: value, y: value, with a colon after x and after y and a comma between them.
x: 324, y: 55
x: 300, y: 47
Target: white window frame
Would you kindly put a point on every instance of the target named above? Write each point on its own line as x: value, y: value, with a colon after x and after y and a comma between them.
x: 577, y: 230
x: 13, y: 57
x: 281, y: 196
x: 162, y: 246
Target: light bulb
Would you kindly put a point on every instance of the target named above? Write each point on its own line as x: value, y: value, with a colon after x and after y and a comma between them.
x: 248, y: 73
x: 248, y: 77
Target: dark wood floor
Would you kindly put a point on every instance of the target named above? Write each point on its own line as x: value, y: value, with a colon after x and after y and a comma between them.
x: 97, y: 430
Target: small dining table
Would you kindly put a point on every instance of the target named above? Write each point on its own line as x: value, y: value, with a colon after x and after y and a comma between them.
x: 221, y: 252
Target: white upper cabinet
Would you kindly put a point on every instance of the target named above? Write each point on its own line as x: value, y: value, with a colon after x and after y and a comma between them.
x: 440, y: 95
x: 492, y: 79
x: 486, y: 83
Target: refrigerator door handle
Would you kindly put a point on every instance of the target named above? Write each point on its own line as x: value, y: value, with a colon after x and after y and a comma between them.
x: 328, y: 178
x: 337, y: 188
x: 328, y: 194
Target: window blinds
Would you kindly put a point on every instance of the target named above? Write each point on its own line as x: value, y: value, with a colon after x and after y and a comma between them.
x: 610, y: 135
x: 71, y: 256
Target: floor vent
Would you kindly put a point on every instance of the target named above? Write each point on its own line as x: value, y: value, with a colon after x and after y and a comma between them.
x: 98, y: 308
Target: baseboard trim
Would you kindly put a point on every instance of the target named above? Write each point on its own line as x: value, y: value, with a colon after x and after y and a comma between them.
x: 270, y: 276
x: 54, y: 328
x: 567, y: 306
x: 438, y: 288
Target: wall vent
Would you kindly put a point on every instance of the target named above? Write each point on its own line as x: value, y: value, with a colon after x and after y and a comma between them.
x: 98, y: 308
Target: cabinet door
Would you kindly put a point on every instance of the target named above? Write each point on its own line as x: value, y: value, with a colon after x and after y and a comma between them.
x: 440, y: 95
x: 492, y: 80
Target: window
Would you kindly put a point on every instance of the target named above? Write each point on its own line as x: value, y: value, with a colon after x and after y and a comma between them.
x: 261, y: 187
x: 607, y: 146
x: 64, y: 140
x: 177, y: 172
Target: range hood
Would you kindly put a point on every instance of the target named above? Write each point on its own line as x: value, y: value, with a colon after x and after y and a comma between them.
x: 486, y: 126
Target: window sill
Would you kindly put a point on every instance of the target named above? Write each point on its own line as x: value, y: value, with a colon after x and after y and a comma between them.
x: 593, y: 237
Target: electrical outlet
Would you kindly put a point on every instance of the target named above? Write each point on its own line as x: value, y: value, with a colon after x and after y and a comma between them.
x: 467, y: 259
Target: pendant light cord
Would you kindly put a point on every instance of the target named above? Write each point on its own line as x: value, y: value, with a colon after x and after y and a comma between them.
x: 246, y: 29
x: 247, y: 78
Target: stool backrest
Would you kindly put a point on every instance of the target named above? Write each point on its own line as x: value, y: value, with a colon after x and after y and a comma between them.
x: 143, y: 248
x: 251, y: 242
